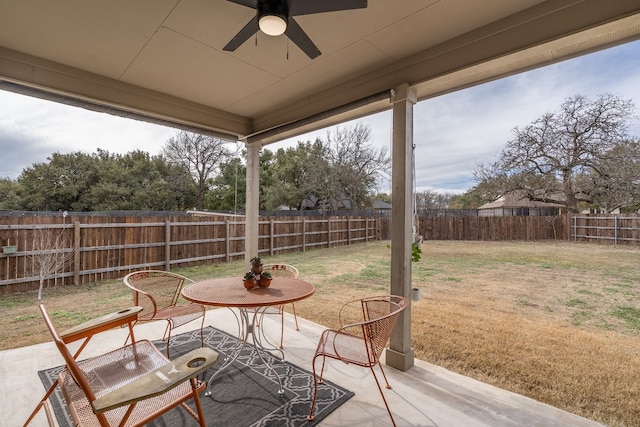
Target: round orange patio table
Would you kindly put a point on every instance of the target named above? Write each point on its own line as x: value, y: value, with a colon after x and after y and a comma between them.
x: 230, y: 292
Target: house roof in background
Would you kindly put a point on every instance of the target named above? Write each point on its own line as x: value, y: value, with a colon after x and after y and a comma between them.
x: 518, y: 200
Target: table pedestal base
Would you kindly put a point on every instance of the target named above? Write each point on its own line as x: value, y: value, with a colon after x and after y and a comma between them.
x: 247, y: 325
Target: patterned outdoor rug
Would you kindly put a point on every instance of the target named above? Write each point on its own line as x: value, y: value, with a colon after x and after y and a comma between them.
x: 243, y: 394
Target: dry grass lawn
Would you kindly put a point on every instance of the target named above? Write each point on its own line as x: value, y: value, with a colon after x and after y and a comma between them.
x: 558, y: 322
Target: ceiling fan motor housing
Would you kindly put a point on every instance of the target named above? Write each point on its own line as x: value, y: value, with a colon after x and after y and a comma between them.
x: 273, y: 8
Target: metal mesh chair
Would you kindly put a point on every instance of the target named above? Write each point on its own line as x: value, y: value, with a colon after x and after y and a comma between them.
x: 158, y: 292
x: 282, y: 270
x: 131, y: 385
x: 360, y: 343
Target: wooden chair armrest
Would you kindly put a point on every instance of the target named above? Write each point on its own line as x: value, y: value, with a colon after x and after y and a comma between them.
x: 100, y: 324
x: 157, y: 382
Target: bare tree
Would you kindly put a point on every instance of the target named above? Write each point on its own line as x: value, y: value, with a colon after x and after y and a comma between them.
x: 356, y: 165
x: 51, y: 255
x: 429, y: 199
x: 549, y: 159
x: 615, y: 183
x: 201, y: 155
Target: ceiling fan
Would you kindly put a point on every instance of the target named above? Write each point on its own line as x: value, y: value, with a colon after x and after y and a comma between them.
x: 275, y: 17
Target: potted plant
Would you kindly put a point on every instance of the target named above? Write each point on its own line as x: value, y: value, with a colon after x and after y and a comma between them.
x: 416, y: 254
x: 249, y: 280
x: 265, y: 279
x: 256, y: 265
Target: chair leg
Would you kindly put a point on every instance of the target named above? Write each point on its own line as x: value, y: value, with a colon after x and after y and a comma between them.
x: 196, y: 399
x: 382, y: 394
x: 202, y: 332
x: 281, y: 327
x: 315, y: 386
x: 384, y: 375
x: 295, y: 316
x: 169, y: 328
x: 43, y: 402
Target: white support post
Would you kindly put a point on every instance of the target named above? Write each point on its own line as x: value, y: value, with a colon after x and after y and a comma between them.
x: 400, y: 354
x: 252, y: 203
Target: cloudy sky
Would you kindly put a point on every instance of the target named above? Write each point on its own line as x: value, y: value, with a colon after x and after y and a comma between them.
x: 452, y: 133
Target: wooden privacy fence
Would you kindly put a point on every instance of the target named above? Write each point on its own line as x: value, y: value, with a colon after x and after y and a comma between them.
x: 100, y: 247
x: 494, y: 228
x: 616, y: 229
x: 95, y: 248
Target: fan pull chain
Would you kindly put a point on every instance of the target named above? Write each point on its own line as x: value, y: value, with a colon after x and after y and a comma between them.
x: 287, y: 48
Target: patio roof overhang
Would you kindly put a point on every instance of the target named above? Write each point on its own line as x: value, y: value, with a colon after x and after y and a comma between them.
x: 163, y: 61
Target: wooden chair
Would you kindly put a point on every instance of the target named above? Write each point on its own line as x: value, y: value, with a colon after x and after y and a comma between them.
x: 158, y: 292
x: 282, y: 270
x: 131, y: 385
x: 360, y: 342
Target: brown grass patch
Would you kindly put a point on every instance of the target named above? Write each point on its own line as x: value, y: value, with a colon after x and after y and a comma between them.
x: 558, y: 322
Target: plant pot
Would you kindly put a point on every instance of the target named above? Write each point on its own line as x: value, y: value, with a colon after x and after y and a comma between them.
x: 415, y: 294
x: 256, y: 268
x: 9, y: 250
x: 249, y: 283
x: 265, y: 282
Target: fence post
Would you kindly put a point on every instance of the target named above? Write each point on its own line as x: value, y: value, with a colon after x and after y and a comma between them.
x: 227, y: 238
x: 271, y: 238
x: 76, y: 252
x: 304, y: 234
x: 328, y: 232
x: 615, y: 230
x: 349, y: 230
x: 167, y: 245
x: 366, y: 229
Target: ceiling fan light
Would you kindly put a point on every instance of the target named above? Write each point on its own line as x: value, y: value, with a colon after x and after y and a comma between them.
x: 272, y: 25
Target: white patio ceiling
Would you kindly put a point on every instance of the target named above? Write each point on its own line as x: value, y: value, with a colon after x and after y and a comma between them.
x: 163, y: 59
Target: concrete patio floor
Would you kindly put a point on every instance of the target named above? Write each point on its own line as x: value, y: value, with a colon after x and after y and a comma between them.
x: 426, y: 395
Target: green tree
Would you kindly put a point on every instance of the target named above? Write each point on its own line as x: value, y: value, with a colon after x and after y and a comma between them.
x: 137, y: 181
x: 9, y: 197
x: 228, y: 188
x: 297, y: 173
x: 59, y: 184
x: 104, y: 182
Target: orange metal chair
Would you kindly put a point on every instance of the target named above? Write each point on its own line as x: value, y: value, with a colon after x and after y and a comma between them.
x: 131, y: 385
x: 282, y: 270
x: 360, y: 342
x: 158, y: 292
x: 85, y: 331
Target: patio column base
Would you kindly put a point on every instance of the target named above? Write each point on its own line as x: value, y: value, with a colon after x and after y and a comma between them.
x: 401, y: 361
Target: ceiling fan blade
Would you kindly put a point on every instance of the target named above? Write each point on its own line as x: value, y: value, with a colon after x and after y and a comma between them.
x: 308, y: 7
x: 243, y: 35
x: 297, y: 35
x: 249, y: 3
